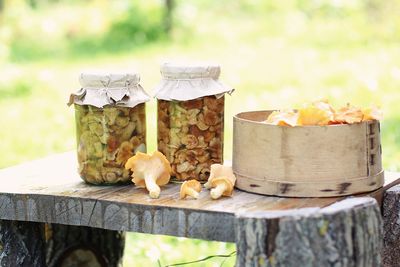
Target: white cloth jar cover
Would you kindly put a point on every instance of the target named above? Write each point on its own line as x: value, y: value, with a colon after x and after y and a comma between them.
x: 99, y: 90
x: 187, y: 82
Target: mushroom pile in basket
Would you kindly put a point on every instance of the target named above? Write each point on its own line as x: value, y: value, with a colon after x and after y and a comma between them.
x: 322, y: 113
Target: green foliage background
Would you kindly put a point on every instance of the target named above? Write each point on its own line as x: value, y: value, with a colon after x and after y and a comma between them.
x: 277, y: 54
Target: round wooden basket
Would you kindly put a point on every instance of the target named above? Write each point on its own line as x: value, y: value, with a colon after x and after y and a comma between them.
x: 305, y: 161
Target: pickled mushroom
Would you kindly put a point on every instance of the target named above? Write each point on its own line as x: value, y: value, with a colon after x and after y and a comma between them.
x: 149, y: 171
x: 190, y: 188
x: 111, y: 115
x: 125, y: 152
x: 190, y: 134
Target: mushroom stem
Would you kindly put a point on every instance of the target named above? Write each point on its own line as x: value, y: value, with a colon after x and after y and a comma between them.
x: 207, y: 185
x: 218, y: 191
x: 152, y: 187
x: 191, y: 192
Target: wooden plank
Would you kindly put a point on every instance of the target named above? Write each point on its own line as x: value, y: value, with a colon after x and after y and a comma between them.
x: 49, y: 190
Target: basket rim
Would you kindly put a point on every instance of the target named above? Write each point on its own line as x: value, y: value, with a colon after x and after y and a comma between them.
x: 238, y: 118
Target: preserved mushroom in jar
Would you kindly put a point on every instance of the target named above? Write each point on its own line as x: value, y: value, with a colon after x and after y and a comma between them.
x: 107, y: 137
x: 190, y: 135
x: 110, y: 126
x: 190, y: 129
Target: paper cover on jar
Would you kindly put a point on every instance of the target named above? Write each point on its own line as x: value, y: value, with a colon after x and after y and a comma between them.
x: 186, y: 82
x: 100, y: 90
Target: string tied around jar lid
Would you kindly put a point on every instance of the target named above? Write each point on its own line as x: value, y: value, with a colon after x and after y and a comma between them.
x: 104, y: 90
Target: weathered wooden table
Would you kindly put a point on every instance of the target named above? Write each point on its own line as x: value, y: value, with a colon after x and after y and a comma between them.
x: 49, y: 217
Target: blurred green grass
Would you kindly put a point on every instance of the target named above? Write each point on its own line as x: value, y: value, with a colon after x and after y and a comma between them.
x: 276, y: 54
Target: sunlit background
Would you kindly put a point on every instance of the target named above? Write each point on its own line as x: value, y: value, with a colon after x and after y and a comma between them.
x: 277, y: 54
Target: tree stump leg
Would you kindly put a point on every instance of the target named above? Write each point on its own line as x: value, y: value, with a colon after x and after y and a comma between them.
x: 391, y: 227
x: 21, y: 244
x: 347, y: 233
x: 83, y: 246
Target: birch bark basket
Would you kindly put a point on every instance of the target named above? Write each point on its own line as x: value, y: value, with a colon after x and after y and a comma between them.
x: 306, y: 161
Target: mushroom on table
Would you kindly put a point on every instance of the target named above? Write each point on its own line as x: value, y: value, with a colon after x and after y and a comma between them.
x: 221, y: 181
x: 149, y: 171
x: 221, y: 186
x: 190, y: 188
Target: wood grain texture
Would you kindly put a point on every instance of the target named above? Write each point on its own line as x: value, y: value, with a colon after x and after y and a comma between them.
x: 50, y: 190
x: 21, y: 244
x: 348, y: 233
x: 318, y: 161
x: 391, y: 227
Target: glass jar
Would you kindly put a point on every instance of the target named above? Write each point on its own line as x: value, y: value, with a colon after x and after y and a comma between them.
x: 110, y: 126
x: 190, y: 129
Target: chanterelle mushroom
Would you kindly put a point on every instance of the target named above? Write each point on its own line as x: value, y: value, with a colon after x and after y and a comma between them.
x: 221, y: 186
x: 218, y: 170
x: 190, y: 188
x: 221, y: 181
x: 150, y: 172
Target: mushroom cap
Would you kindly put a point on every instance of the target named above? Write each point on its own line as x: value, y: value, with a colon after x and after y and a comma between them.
x: 131, y: 164
x: 142, y: 162
x: 223, y: 180
x: 194, y: 184
x: 219, y: 170
x: 163, y: 179
x: 283, y: 118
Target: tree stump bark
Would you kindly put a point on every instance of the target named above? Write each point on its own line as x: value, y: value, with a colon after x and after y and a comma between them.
x: 391, y: 227
x: 83, y: 246
x: 37, y: 244
x: 21, y: 244
x: 347, y: 233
